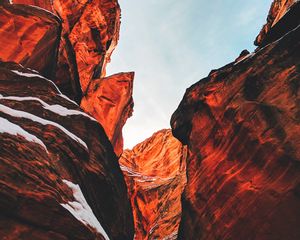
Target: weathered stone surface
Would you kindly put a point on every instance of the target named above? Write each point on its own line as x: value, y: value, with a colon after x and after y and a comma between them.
x: 154, y: 171
x: 46, y: 139
x: 89, y: 36
x: 94, y: 37
x: 109, y: 100
x: 90, y: 32
x: 45, y: 4
x: 276, y: 25
x: 241, y: 125
x: 29, y: 36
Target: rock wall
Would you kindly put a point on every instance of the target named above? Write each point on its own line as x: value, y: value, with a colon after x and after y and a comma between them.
x: 87, y: 38
x: 276, y: 22
x: 241, y: 126
x: 53, y: 155
x: 57, y: 163
x: 59, y: 175
x: 90, y: 33
x: 154, y: 171
x: 110, y: 101
x: 29, y: 36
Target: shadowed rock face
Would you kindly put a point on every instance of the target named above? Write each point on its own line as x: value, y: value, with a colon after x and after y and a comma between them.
x: 29, y: 36
x: 241, y: 125
x: 110, y: 101
x: 45, y: 140
x: 276, y: 25
x: 154, y: 171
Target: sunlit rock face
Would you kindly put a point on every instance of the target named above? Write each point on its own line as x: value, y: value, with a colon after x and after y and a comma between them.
x: 29, y: 36
x: 276, y: 25
x: 58, y: 166
x: 154, y: 171
x: 55, y: 160
x: 241, y: 125
x: 90, y: 34
x: 110, y: 101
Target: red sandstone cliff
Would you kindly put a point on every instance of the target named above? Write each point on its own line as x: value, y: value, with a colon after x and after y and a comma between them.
x: 90, y: 32
x: 276, y: 25
x: 59, y: 175
x: 53, y: 156
x: 154, y: 171
x: 89, y: 35
x: 57, y: 165
x: 110, y: 101
x: 241, y: 125
x: 29, y: 36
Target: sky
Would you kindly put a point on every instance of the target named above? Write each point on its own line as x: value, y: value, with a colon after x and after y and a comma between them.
x: 171, y: 44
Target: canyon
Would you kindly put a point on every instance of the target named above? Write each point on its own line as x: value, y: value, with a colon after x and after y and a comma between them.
x: 228, y: 168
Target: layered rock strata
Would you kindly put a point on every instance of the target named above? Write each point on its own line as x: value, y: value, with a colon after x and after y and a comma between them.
x: 241, y: 125
x: 154, y: 171
x: 110, y: 101
x: 60, y: 178
x: 278, y: 23
x: 90, y: 32
x: 29, y: 36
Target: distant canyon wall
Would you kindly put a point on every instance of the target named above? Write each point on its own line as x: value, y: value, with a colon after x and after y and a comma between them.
x: 155, y: 174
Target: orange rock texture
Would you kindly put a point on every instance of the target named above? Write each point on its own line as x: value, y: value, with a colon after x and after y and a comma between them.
x: 90, y: 32
x: 89, y: 35
x: 241, y: 125
x: 44, y: 4
x: 154, y: 171
x: 110, y: 101
x: 29, y: 36
x: 46, y: 139
x: 59, y: 176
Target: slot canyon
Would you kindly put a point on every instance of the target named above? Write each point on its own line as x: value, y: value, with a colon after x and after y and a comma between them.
x: 227, y: 168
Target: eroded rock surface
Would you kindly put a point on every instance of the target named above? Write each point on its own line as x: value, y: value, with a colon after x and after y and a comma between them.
x: 44, y: 4
x: 241, y: 125
x: 29, y: 36
x: 110, y: 101
x: 90, y: 34
x: 154, y: 171
x: 276, y: 25
x: 53, y: 155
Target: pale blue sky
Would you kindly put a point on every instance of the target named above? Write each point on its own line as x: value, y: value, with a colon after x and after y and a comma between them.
x: 171, y: 44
